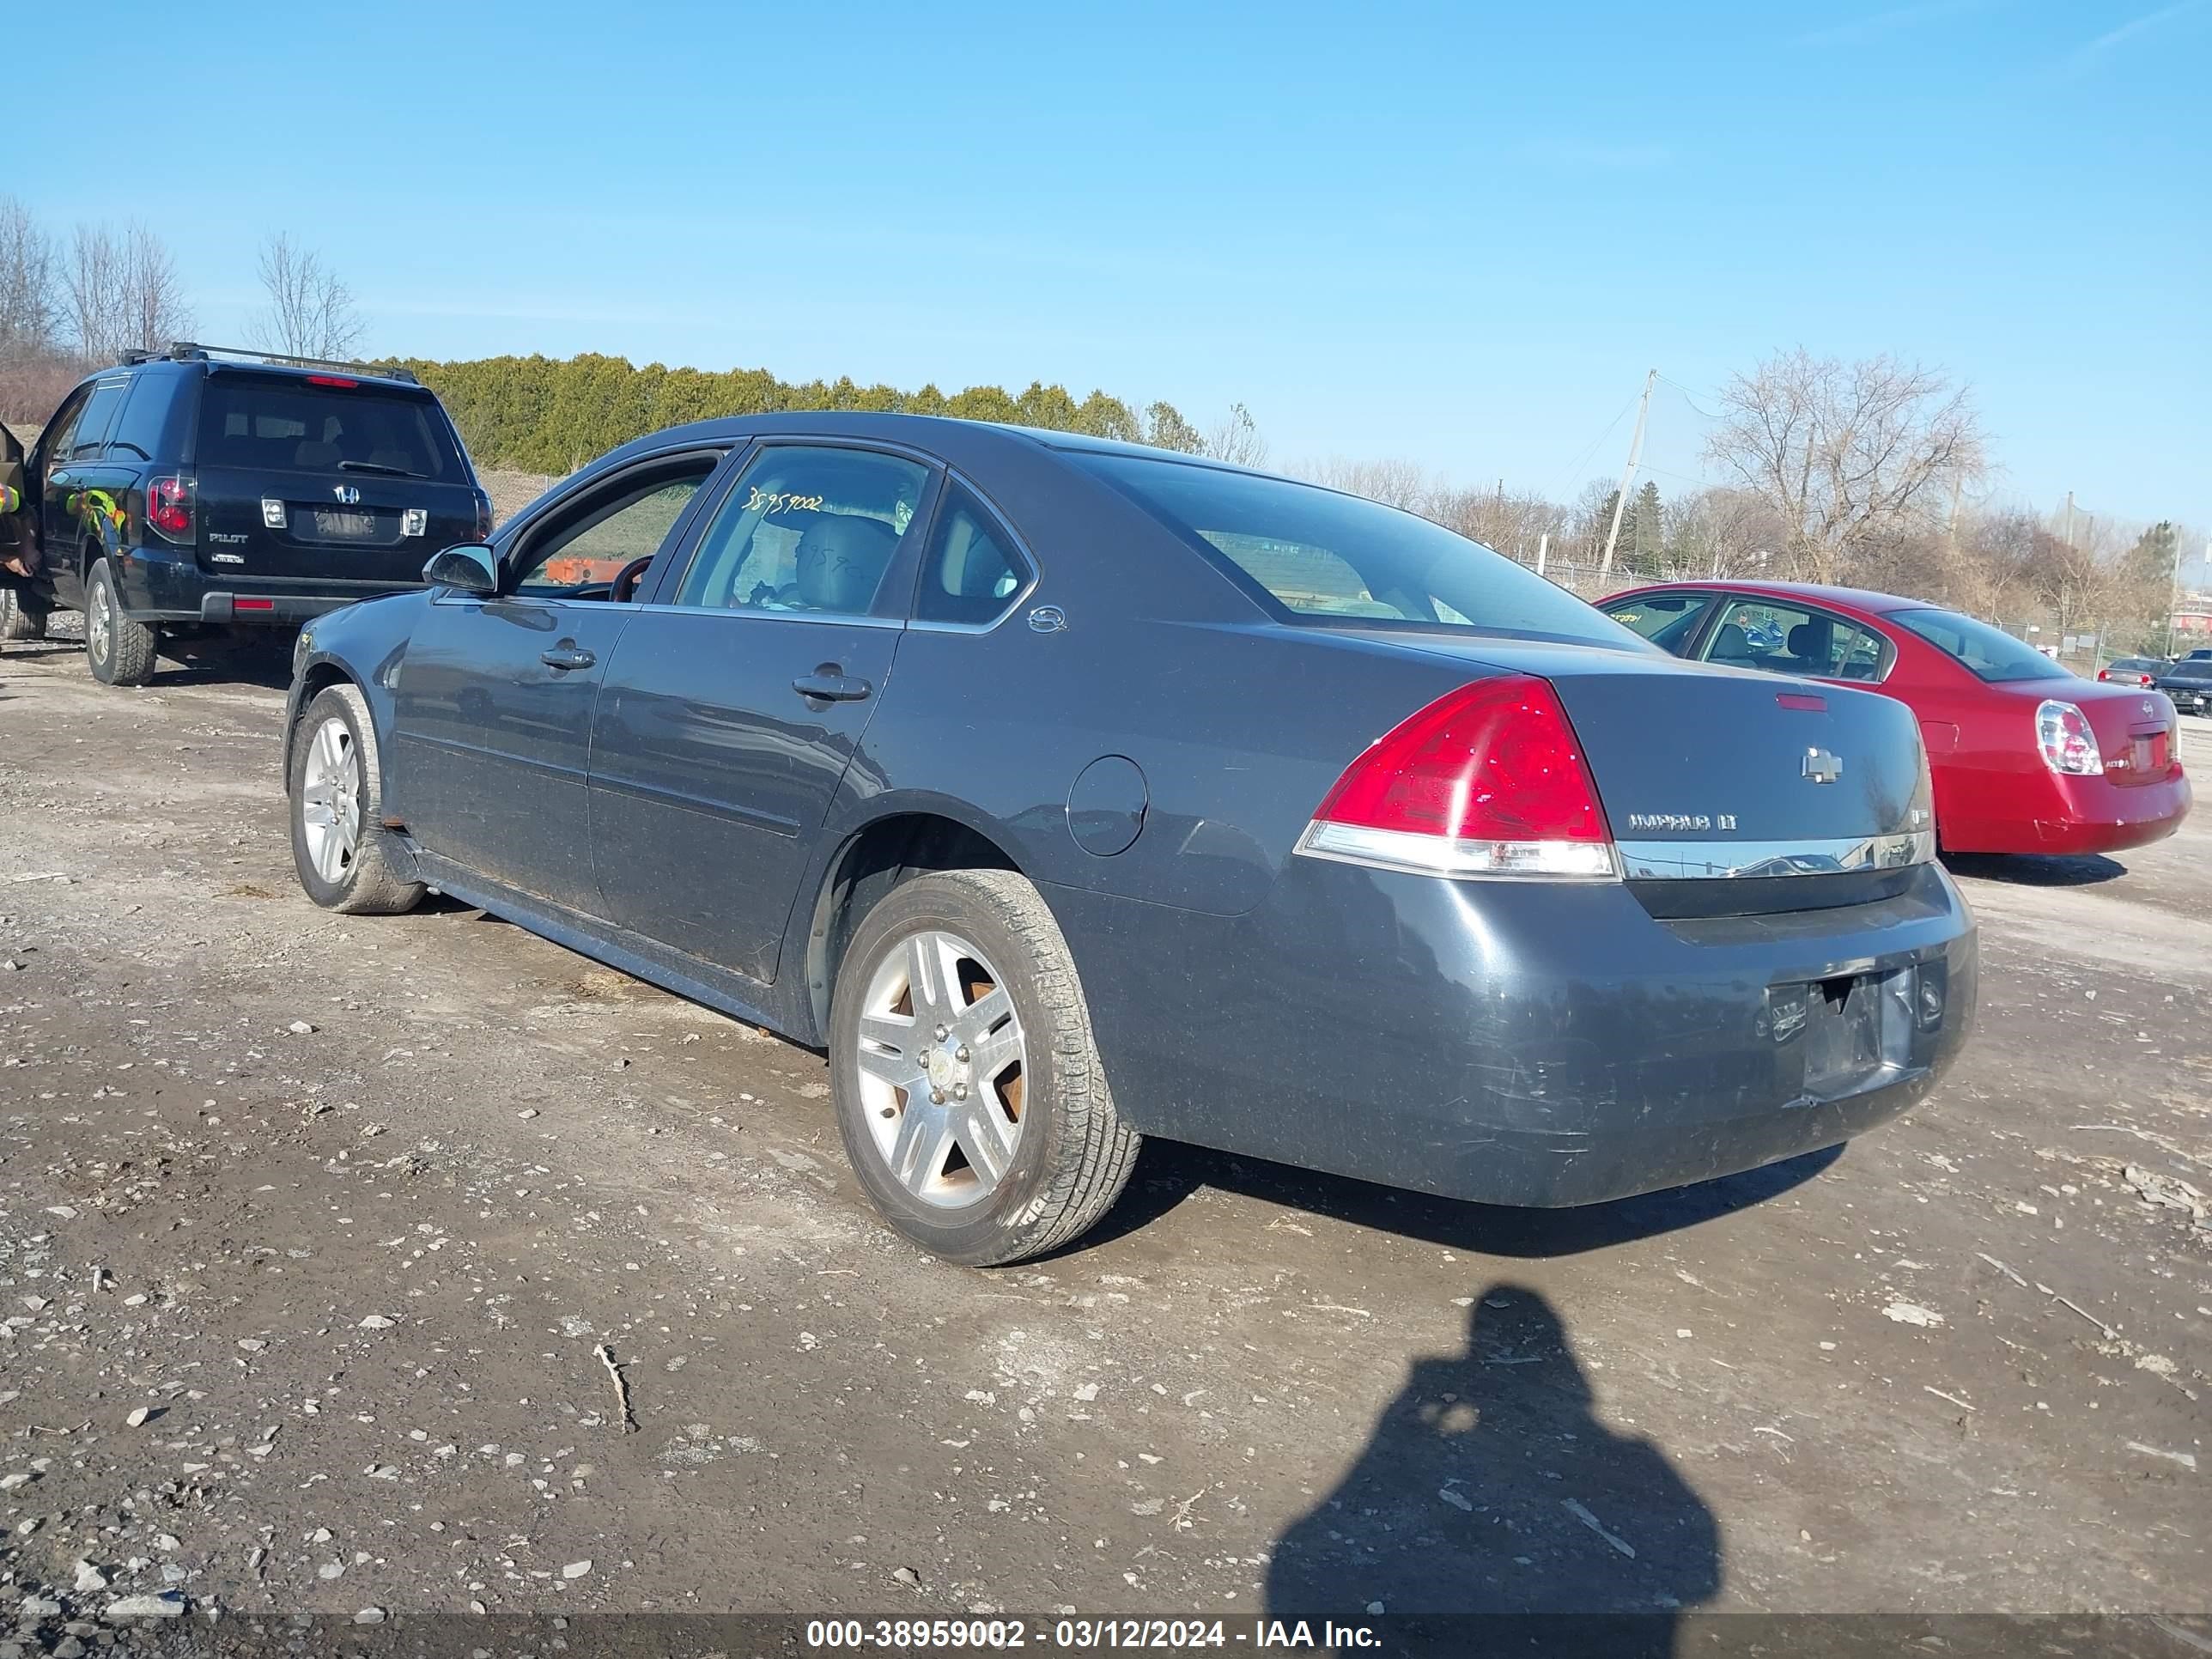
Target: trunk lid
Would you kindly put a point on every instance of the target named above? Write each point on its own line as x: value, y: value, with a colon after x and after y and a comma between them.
x: 326, y: 478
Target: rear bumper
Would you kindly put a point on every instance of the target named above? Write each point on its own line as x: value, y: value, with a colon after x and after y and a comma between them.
x: 2095, y: 815
x: 1545, y: 1045
x: 158, y: 585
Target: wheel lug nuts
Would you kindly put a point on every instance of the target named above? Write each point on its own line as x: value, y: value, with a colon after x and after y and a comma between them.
x: 936, y: 1097
x: 943, y: 1033
x: 924, y: 1056
x: 961, y: 1053
x: 960, y: 1091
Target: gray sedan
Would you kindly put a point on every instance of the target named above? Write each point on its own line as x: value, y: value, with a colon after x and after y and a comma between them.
x: 1069, y: 793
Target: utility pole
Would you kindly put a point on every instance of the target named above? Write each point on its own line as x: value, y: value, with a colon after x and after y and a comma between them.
x: 1958, y: 493
x: 1543, y: 548
x: 2174, y: 595
x: 2069, y: 517
x: 1620, y: 495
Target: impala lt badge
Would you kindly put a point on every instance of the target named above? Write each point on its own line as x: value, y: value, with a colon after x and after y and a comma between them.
x: 1822, y: 767
x: 346, y: 494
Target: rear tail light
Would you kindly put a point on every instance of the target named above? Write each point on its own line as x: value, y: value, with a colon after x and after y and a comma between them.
x: 1486, y: 781
x: 483, y: 517
x: 169, y: 504
x: 2068, y: 745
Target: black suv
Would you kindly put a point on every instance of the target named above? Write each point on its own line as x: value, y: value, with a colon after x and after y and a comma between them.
x: 202, y: 489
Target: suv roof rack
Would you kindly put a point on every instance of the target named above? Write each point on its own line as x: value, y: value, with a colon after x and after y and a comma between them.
x: 190, y: 351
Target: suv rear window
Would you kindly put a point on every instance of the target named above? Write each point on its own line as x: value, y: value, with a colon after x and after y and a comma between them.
x: 1334, y: 559
x: 289, y: 425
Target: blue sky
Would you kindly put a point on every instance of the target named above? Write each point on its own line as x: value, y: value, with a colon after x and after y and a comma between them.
x: 1458, y: 234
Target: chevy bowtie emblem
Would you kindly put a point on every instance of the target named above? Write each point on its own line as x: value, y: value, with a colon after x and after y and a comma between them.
x: 347, y: 494
x: 1822, y: 767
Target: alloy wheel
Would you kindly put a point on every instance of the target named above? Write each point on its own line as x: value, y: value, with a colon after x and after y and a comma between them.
x: 942, y: 1067
x: 330, y: 801
x: 100, y: 624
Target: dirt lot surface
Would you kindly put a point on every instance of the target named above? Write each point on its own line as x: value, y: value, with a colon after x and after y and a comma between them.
x: 319, y: 1237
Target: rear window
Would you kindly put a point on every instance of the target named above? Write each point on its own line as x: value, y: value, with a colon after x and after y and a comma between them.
x: 1338, y: 560
x: 1988, y: 653
x: 292, y: 426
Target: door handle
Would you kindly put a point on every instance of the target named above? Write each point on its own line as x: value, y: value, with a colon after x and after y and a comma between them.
x: 831, y: 683
x: 566, y: 656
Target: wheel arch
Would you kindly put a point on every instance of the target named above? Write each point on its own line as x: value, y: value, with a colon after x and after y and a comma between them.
x: 316, y: 678
x: 872, y: 859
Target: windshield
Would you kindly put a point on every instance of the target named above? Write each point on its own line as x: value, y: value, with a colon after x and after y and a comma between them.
x: 1989, y: 653
x: 1336, y: 559
x: 284, y: 423
x: 2195, y: 670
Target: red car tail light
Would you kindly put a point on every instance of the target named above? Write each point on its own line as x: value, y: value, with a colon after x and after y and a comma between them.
x: 169, y: 507
x: 483, y: 517
x: 2070, y: 747
x: 1486, y: 781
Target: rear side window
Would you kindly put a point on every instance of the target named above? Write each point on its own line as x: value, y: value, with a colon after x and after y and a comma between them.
x: 1339, y: 561
x: 98, y: 413
x: 138, y: 429
x: 972, y: 573
x: 1669, y: 621
x: 293, y: 425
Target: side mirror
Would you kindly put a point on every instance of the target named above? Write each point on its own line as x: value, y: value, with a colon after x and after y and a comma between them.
x: 471, y: 567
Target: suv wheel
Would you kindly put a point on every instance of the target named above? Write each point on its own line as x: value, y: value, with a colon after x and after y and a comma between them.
x: 343, y: 853
x: 968, y: 1088
x: 121, y: 651
x: 21, y: 616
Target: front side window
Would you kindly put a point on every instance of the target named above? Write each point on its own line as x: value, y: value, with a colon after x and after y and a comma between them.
x: 1669, y: 621
x: 582, y: 549
x: 1790, y: 638
x: 1988, y: 653
x: 805, y: 531
x: 57, y: 439
x: 1335, y: 560
x: 971, y: 572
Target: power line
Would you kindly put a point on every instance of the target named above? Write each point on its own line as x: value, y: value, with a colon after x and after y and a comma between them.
x: 1690, y: 399
x: 1575, y: 466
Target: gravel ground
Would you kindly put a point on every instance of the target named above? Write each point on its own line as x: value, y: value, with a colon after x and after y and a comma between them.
x: 324, y: 1243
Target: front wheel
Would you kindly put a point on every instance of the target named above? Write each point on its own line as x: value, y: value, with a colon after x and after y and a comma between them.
x: 343, y: 853
x: 968, y: 1087
x: 121, y: 651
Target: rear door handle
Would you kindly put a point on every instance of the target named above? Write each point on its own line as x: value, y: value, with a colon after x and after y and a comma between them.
x: 566, y: 656
x: 830, y: 684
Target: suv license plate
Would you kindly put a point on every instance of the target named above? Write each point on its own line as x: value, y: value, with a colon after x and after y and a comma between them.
x: 353, y: 527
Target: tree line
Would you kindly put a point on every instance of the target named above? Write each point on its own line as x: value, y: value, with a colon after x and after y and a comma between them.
x: 71, y: 304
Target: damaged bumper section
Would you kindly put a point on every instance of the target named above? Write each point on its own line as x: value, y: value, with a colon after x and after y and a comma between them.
x: 1542, y: 1045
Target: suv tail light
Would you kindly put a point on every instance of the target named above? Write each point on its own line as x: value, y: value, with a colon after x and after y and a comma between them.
x: 169, y: 507
x: 1486, y: 781
x: 483, y: 517
x: 2068, y: 745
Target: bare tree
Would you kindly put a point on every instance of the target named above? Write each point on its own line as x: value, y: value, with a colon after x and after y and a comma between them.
x: 1236, y: 439
x: 1849, y: 455
x: 310, y: 312
x: 29, y: 320
x: 121, y: 292
x: 1393, y: 483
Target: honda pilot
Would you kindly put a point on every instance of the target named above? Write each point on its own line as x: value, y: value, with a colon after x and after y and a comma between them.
x: 200, y: 491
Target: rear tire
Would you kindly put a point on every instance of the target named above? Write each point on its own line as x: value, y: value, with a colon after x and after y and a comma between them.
x: 342, y: 852
x: 967, y: 1086
x: 121, y: 651
x: 22, y: 617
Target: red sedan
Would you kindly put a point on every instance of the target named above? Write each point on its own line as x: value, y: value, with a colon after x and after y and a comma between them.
x: 2027, y: 757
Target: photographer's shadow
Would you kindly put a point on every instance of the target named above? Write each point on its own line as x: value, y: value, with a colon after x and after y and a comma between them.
x: 1490, y: 1487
